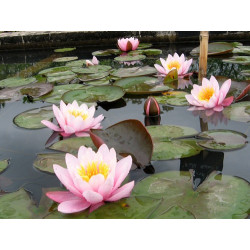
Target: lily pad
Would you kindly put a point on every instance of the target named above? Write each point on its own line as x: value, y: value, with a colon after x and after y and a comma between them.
x: 246, y: 72
x: 129, y: 58
x: 10, y: 94
x: 216, y: 198
x: 76, y: 63
x: 243, y: 60
x: 3, y: 165
x: 148, y: 52
x: 53, y: 70
x: 238, y: 112
x: 62, y: 73
x: 101, y: 82
x: 31, y: 119
x: 65, y: 59
x: 72, y: 145
x: 218, y: 48
x: 144, y: 45
x: 93, y: 77
x: 63, y: 79
x: 135, y: 71
x: 108, y: 52
x: 140, y: 85
x: 221, y: 139
x: 242, y: 50
x: 16, y: 82
x: 92, y: 69
x: 44, y: 162
x: 64, y: 50
x: 174, y: 98
x: 128, y: 137
x: 37, y: 90
x: 94, y: 94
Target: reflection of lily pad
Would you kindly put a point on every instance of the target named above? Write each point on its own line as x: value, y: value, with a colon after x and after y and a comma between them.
x: 53, y: 70
x: 44, y: 162
x: 92, y: 77
x: 65, y: 59
x: 217, y: 48
x: 3, y: 165
x: 72, y: 145
x: 238, y: 112
x: 94, y: 94
x: 64, y: 50
x: 220, y: 139
x: 140, y: 85
x: 175, y: 98
x: 129, y: 58
x: 135, y: 71
x: 76, y: 63
x: 215, y: 198
x: 107, y: 52
x: 31, y: 119
x: 16, y: 82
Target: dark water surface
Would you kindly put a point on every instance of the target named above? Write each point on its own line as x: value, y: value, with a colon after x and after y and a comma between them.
x: 21, y: 146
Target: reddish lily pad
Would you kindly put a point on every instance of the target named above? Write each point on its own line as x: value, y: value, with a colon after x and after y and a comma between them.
x: 128, y: 137
x: 221, y: 139
x: 216, y: 198
x: 135, y: 71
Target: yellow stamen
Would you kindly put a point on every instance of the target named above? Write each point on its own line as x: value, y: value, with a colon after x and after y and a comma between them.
x: 206, y: 93
x: 77, y: 113
x: 93, y: 169
x: 173, y: 64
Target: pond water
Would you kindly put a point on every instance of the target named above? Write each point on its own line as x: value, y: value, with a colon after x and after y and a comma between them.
x: 21, y: 146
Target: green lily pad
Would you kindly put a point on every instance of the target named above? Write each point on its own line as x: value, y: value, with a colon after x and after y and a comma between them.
x: 3, y: 165
x: 135, y: 71
x: 129, y: 58
x: 221, y: 139
x: 149, y: 52
x: 93, y: 77
x: 242, y: 50
x: 144, y: 45
x: 44, y: 162
x: 108, y: 52
x: 37, y: 90
x: 16, y: 82
x: 217, y: 48
x: 31, y: 119
x: 140, y: 85
x: 64, y: 50
x: 216, y: 198
x: 243, y: 60
x: 62, y: 73
x: 245, y: 72
x: 238, y: 112
x: 92, y: 69
x: 63, y: 79
x: 53, y: 70
x: 104, y: 81
x: 76, y: 63
x: 72, y: 145
x: 65, y: 59
x: 94, y: 94
x: 174, y: 98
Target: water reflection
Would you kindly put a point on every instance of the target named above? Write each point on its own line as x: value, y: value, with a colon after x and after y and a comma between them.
x: 202, y: 165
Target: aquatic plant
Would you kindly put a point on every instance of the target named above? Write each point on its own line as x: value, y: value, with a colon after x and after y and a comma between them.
x: 94, y: 61
x: 174, y: 62
x: 91, y: 179
x: 74, y: 119
x: 128, y: 44
x: 151, y: 107
x: 209, y: 95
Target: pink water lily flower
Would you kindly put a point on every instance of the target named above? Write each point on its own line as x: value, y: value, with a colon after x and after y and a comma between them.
x: 209, y: 95
x: 94, y: 61
x: 74, y: 119
x: 91, y: 179
x: 174, y: 62
x: 128, y: 44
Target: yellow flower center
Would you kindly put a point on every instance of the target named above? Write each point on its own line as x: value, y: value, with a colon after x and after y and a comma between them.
x: 77, y: 113
x: 92, y: 169
x: 173, y: 64
x: 206, y: 93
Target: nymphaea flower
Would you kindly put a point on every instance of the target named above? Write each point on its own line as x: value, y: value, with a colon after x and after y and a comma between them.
x: 128, y: 44
x: 74, y: 119
x: 91, y: 179
x: 209, y: 95
x: 174, y: 62
x: 94, y: 61
x: 151, y: 107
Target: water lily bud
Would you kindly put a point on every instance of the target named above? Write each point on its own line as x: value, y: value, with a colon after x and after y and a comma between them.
x: 151, y: 107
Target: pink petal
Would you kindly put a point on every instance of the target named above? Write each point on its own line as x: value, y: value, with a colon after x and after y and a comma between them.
x: 68, y: 129
x: 227, y: 101
x: 96, y: 181
x: 51, y: 125
x: 92, y: 197
x: 96, y: 206
x: 73, y: 206
x: 192, y: 101
x: 107, y: 187
x: 95, y: 61
x: 223, y: 90
x: 122, y: 192
x: 160, y: 69
x: 82, y: 134
x: 61, y: 196
x: 218, y: 108
x: 59, y: 116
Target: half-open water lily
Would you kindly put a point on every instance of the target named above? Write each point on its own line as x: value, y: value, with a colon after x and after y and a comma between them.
x: 74, y: 119
x: 94, y: 61
x: 128, y: 44
x: 209, y: 95
x: 91, y: 179
x: 174, y: 62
